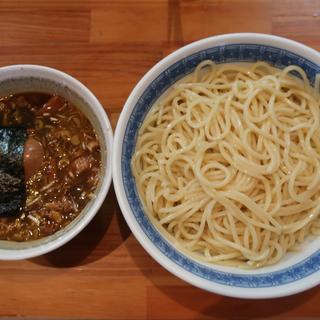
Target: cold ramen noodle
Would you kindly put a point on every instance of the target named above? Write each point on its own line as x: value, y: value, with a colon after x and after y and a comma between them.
x: 61, y: 165
x: 227, y: 163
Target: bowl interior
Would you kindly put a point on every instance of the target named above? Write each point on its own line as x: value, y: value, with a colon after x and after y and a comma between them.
x: 18, y: 81
x: 294, y: 266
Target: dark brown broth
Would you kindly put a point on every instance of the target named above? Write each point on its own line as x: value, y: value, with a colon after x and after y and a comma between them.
x: 70, y: 170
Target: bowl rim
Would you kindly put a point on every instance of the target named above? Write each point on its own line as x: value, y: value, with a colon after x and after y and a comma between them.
x: 52, y: 74
x: 148, y: 245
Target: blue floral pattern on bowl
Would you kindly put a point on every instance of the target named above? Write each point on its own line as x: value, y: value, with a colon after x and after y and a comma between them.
x: 220, y: 54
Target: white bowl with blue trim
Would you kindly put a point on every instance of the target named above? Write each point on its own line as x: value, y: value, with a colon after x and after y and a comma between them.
x: 296, y: 272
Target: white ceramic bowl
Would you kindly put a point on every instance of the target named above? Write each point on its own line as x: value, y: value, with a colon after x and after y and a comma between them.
x: 296, y: 272
x: 33, y: 78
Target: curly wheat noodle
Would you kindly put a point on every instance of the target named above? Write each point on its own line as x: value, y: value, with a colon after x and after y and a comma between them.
x: 227, y: 163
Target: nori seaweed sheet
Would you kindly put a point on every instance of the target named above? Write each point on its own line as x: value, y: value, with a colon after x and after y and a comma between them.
x: 12, y: 185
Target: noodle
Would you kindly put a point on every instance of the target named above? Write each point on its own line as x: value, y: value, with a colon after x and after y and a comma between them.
x: 227, y: 163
